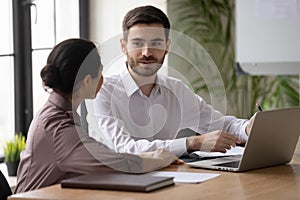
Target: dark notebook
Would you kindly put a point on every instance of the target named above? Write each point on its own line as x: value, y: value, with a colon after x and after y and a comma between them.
x: 118, y: 181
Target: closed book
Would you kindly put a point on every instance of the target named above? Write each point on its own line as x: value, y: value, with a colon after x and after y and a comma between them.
x: 118, y: 181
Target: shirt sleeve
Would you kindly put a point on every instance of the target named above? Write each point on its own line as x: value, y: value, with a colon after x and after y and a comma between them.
x: 120, y: 139
x: 237, y: 127
x: 203, y: 118
x: 79, y: 153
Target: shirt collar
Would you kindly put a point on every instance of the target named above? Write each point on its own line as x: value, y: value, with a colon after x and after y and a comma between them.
x: 131, y: 87
x: 63, y: 104
x: 60, y: 101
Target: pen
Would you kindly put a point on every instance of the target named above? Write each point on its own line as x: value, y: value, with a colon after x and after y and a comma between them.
x: 259, y: 107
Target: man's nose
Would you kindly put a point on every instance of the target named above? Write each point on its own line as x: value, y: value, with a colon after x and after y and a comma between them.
x: 146, y: 51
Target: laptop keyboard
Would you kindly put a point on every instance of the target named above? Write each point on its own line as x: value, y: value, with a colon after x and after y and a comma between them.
x: 233, y: 164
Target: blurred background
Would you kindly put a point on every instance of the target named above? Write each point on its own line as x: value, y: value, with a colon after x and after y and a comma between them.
x: 30, y: 29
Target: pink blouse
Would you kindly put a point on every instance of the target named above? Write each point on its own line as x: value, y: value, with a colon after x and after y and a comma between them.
x: 58, y: 148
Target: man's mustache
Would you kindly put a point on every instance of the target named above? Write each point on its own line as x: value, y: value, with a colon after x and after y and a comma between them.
x: 147, y: 59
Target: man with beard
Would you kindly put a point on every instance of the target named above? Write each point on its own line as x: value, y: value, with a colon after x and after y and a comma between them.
x: 144, y: 111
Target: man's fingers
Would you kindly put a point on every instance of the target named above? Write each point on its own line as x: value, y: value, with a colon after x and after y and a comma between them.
x: 231, y: 138
x: 226, y: 141
x: 219, y: 149
x: 219, y: 141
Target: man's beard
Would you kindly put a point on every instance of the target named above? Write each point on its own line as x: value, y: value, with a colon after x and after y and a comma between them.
x: 150, y: 70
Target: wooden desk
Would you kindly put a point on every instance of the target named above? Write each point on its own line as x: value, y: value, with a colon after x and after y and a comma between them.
x: 281, y: 182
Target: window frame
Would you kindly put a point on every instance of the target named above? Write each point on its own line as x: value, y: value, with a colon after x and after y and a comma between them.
x: 22, y: 53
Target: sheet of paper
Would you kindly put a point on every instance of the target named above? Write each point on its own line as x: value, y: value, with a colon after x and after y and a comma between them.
x: 276, y: 9
x: 186, y: 177
x: 233, y: 151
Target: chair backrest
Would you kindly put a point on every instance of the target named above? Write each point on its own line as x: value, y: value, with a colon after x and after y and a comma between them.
x: 5, y: 190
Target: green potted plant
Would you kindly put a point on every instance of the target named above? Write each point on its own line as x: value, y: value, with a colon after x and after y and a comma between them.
x: 12, y: 152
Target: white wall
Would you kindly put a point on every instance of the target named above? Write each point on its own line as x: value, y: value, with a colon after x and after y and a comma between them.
x: 267, y: 36
x: 107, y: 16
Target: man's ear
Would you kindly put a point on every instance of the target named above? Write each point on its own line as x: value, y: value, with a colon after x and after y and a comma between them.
x: 168, y: 45
x: 123, y: 45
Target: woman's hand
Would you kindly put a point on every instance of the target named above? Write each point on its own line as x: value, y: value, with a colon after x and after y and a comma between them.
x: 161, y: 154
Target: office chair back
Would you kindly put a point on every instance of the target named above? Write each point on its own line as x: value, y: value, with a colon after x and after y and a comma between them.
x: 5, y: 190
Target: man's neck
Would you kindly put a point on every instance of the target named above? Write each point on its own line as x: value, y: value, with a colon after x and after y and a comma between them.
x: 147, y: 89
x: 145, y: 83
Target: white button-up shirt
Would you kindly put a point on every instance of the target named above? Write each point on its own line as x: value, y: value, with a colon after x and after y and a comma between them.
x: 136, y: 123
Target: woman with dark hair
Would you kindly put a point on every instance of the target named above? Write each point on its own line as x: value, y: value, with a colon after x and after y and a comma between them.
x: 57, y: 147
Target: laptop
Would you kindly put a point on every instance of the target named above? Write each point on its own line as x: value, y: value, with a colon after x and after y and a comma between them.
x: 272, y: 141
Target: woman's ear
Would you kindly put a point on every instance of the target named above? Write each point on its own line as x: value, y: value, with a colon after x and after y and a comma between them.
x: 123, y: 45
x: 86, y: 80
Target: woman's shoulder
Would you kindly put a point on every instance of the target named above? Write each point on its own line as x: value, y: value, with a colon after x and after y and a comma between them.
x: 50, y: 116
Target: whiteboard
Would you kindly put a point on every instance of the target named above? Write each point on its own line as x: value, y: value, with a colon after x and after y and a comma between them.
x: 268, y: 36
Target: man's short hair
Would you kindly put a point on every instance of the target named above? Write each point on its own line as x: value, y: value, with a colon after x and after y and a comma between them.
x: 145, y: 15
